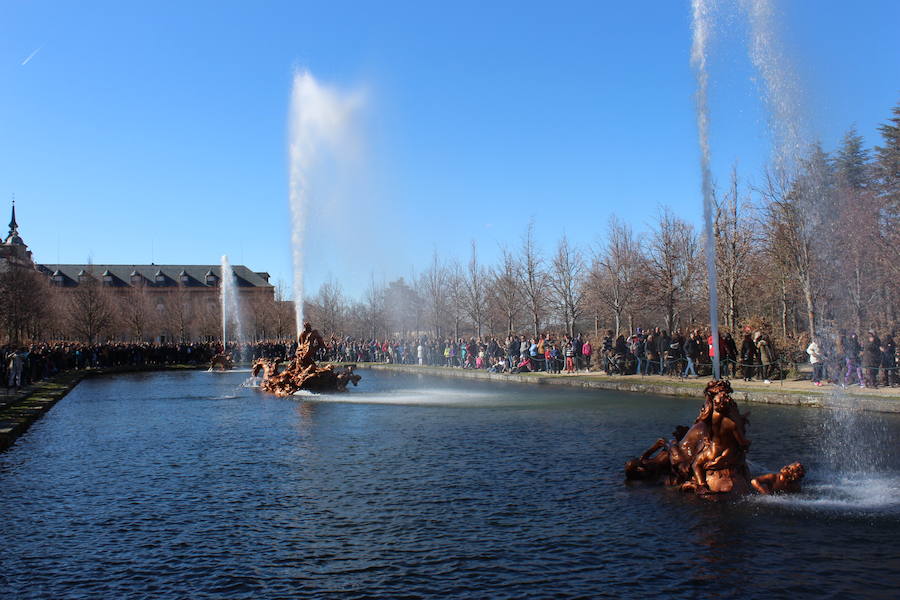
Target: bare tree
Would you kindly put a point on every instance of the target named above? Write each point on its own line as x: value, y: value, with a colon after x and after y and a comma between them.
x: 179, y: 313
x: 90, y: 309
x: 330, y: 301
x: 791, y: 214
x: 673, y: 264
x: 456, y: 293
x: 533, y: 279
x: 566, y: 281
x: 475, y: 291
x: 24, y: 302
x: 433, y: 283
x: 504, y: 289
x: 616, y: 268
x: 374, y: 308
x: 734, y: 242
x: 136, y: 312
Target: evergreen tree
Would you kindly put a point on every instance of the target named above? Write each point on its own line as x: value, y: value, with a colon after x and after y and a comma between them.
x: 851, y: 162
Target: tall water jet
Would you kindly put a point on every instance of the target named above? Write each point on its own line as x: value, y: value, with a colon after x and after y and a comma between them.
x: 231, y: 304
x: 320, y: 121
x: 780, y: 88
x: 701, y: 33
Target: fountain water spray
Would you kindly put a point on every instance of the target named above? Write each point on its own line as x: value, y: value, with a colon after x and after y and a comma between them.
x: 231, y: 308
x: 320, y: 121
x: 780, y: 92
x: 700, y: 24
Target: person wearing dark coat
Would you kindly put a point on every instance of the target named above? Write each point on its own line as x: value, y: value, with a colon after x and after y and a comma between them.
x: 729, y: 355
x: 662, y: 351
x: 871, y: 359
x: 888, y: 361
x: 748, y: 357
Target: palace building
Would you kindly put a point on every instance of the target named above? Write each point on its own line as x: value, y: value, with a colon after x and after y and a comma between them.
x: 176, y: 301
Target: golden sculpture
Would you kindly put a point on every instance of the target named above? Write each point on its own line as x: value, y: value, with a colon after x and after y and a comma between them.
x: 301, y: 373
x: 710, y: 458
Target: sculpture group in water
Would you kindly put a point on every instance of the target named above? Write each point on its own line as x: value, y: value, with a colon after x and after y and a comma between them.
x: 301, y: 372
x: 223, y: 361
x: 710, y: 457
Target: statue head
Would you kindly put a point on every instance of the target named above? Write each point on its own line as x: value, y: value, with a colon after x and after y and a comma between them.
x: 722, y: 402
x: 793, y: 471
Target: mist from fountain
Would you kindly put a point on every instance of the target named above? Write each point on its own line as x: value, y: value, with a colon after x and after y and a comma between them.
x: 231, y: 304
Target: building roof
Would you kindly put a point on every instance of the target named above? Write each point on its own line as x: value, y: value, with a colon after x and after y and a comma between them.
x: 122, y: 274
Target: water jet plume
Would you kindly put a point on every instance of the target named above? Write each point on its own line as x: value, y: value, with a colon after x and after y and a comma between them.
x: 321, y: 127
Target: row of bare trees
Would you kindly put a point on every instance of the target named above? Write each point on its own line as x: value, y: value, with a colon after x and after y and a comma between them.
x: 811, y: 250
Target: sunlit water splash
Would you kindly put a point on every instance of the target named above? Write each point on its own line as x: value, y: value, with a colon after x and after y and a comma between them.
x: 231, y: 304
x: 701, y: 33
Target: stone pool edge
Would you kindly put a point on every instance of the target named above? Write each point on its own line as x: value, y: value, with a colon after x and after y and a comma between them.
x: 662, y: 388
x: 20, y: 413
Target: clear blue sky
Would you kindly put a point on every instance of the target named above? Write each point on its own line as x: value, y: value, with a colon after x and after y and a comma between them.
x: 157, y: 130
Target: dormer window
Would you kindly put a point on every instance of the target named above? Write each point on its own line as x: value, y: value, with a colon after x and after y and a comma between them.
x: 136, y: 278
x: 83, y: 276
x: 107, y: 277
x: 57, y: 277
x: 183, y: 276
x: 211, y: 278
x: 159, y: 277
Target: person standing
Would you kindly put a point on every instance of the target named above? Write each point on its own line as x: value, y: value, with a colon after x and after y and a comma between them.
x: 851, y: 358
x: 817, y: 360
x: 16, y: 364
x: 871, y: 359
x: 748, y: 357
x: 691, y: 353
x: 570, y: 358
x: 650, y: 352
x: 729, y: 355
x: 586, y: 351
x: 766, y: 356
x: 888, y: 361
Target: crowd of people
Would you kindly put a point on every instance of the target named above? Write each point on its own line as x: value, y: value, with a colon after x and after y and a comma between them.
x: 847, y: 361
x: 751, y: 356
x: 842, y: 359
x: 24, y: 365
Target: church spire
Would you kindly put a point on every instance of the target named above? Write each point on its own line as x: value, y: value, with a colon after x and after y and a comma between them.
x: 13, y: 226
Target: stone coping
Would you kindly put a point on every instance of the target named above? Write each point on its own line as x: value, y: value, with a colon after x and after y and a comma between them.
x: 888, y: 401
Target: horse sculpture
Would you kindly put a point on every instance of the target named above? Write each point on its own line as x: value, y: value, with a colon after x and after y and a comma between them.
x: 301, y: 372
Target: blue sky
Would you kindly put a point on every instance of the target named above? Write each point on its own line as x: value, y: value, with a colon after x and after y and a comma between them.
x: 157, y: 131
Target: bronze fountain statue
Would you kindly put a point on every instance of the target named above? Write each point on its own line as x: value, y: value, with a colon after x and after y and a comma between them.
x: 223, y: 361
x: 301, y: 372
x: 710, y: 457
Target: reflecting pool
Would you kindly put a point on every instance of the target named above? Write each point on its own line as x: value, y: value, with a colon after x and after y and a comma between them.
x: 186, y: 485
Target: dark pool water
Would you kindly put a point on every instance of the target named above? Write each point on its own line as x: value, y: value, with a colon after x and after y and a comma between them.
x: 183, y: 485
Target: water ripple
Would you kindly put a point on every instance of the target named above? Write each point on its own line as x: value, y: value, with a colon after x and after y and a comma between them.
x: 166, y: 486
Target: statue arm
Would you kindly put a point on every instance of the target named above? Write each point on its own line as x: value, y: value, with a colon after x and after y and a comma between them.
x: 660, y: 443
x: 763, y: 484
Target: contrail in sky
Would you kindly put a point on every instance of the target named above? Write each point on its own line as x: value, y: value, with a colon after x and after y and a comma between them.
x: 32, y: 55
